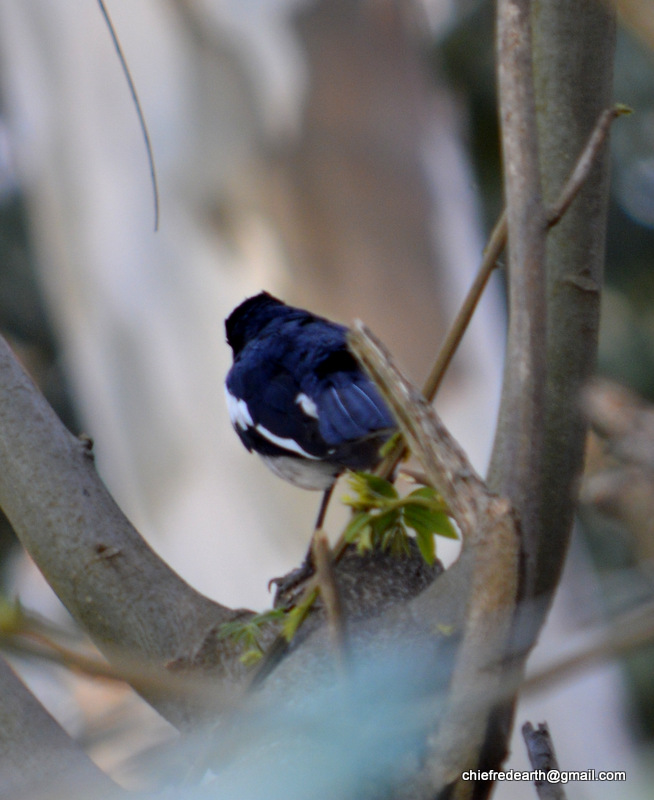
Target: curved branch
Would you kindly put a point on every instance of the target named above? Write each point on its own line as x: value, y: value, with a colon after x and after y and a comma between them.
x: 109, y: 579
x: 517, y: 456
x: 473, y: 602
x: 37, y: 757
x: 539, y: 446
x: 541, y: 411
x: 571, y: 93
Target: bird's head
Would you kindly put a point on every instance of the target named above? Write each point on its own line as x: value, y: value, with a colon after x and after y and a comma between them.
x: 249, y: 319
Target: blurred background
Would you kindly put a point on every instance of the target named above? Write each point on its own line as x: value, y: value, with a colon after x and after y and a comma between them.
x: 343, y: 156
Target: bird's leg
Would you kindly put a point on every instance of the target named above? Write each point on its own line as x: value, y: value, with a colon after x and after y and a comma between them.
x: 322, y: 511
x: 306, y: 568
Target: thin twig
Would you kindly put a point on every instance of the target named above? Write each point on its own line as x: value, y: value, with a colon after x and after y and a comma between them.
x: 27, y: 634
x: 453, y: 339
x: 492, y: 252
x: 38, y: 647
x: 138, y: 674
x: 324, y: 505
x: 625, y: 634
x: 415, y: 475
x: 543, y: 759
x: 585, y: 162
x: 329, y: 593
x: 139, y: 110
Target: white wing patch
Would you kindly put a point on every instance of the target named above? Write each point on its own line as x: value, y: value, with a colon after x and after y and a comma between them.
x: 287, y: 444
x: 239, y: 413
x: 307, y: 405
x: 240, y: 417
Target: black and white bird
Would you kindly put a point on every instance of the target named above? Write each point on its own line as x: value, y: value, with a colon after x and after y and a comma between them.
x: 297, y: 396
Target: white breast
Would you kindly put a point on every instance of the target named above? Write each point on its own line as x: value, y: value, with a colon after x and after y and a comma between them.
x: 305, y: 474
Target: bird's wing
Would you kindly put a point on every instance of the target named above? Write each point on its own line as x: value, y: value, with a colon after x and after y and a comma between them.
x: 349, y: 407
x: 279, y: 411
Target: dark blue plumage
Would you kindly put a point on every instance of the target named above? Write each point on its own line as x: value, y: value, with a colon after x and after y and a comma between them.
x: 297, y: 396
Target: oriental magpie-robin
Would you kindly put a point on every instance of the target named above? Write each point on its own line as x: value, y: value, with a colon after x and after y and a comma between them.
x: 297, y: 396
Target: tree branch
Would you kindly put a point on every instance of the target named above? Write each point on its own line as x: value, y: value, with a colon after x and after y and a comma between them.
x: 542, y: 757
x: 623, y: 635
x: 474, y: 601
x: 37, y: 757
x: 571, y: 94
x: 516, y: 463
x: 110, y: 580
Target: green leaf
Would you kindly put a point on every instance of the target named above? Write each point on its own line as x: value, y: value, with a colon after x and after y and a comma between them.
x: 383, y: 522
x: 365, y: 540
x: 356, y: 526
x: 432, y: 495
x: 229, y: 630
x: 251, y: 657
x: 396, y: 541
x: 247, y: 631
x: 371, y: 491
x: 294, y: 619
x: 445, y: 526
x: 427, y: 546
x: 419, y: 518
x: 378, y: 486
x: 383, y: 514
x: 426, y: 522
x: 389, y: 445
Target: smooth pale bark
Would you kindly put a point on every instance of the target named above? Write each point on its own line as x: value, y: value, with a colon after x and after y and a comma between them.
x: 572, y: 61
x: 128, y: 600
x: 573, y: 71
x: 37, y: 757
x: 538, y: 453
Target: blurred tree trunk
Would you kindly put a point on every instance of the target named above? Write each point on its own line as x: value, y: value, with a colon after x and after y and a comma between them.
x: 352, y: 195
x: 569, y: 94
x: 538, y: 454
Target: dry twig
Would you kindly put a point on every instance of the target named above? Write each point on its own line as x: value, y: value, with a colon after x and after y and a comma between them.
x: 543, y: 758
